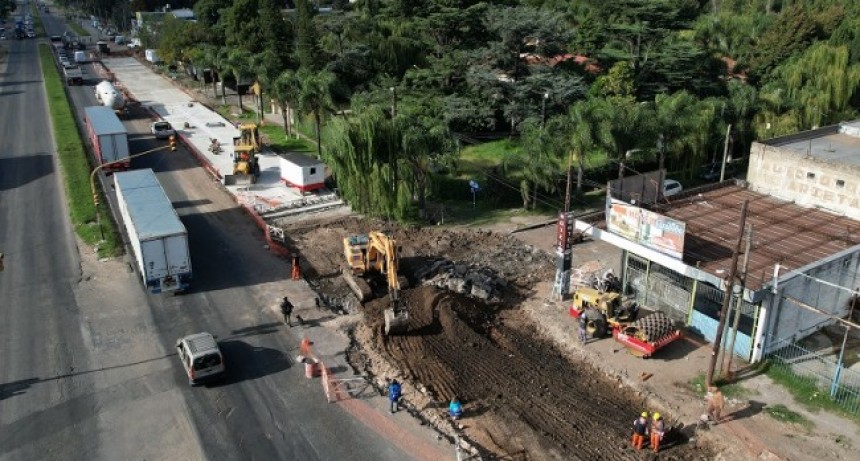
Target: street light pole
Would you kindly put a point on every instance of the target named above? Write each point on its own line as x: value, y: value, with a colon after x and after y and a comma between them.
x: 543, y: 110
x: 99, y: 167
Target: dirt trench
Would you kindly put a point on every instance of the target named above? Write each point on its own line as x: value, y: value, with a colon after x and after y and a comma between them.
x: 524, y: 399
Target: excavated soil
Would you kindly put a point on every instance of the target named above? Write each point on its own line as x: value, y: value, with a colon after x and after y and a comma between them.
x: 523, y: 398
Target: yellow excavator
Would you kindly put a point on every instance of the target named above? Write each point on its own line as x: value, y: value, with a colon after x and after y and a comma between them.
x: 246, y: 168
x: 376, y: 253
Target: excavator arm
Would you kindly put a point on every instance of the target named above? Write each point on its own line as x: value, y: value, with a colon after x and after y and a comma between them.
x: 382, y: 253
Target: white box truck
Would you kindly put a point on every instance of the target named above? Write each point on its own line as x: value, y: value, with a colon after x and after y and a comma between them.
x: 108, y: 136
x: 302, y: 172
x: 158, y: 238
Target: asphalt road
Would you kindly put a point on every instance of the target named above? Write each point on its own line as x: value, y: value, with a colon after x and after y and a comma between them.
x: 41, y: 345
x: 87, y: 366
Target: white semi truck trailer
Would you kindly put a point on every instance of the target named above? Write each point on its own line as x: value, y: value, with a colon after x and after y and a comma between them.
x: 158, y: 238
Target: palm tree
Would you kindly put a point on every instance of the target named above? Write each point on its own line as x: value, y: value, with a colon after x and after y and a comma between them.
x: 217, y: 56
x: 584, y: 134
x: 626, y: 120
x: 200, y: 60
x: 535, y: 159
x: 315, y: 97
x: 239, y: 65
x: 286, y: 89
x: 673, y: 117
x: 421, y: 143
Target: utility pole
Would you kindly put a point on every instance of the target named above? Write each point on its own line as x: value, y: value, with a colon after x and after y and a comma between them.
x: 727, y: 296
x: 725, y: 153
x: 543, y: 110
x: 740, y: 302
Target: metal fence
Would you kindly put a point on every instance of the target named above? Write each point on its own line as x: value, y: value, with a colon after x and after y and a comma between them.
x: 820, y: 369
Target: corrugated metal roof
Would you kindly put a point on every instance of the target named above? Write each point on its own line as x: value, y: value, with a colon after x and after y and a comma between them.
x: 783, y: 232
x: 104, y: 120
x: 148, y: 206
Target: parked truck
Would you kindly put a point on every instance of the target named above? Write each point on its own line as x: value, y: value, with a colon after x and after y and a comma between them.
x: 73, y: 76
x: 158, y: 238
x: 108, y: 137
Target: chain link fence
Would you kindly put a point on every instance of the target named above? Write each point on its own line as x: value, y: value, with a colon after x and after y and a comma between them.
x: 818, y: 369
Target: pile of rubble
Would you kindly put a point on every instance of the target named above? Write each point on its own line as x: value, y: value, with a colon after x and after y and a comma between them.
x: 478, y: 282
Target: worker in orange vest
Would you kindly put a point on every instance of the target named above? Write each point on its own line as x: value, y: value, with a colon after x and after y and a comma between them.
x: 640, y: 428
x: 658, y: 428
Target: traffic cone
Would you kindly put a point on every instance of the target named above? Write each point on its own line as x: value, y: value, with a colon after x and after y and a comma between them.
x: 297, y: 269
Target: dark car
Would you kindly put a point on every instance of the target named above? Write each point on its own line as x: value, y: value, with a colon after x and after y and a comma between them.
x: 711, y: 171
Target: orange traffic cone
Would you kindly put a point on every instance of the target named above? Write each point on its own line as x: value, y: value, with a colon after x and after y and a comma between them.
x: 297, y: 269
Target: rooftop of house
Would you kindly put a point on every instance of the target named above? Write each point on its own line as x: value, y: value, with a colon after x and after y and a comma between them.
x: 837, y: 143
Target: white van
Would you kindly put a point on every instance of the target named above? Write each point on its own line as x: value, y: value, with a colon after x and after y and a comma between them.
x: 201, y: 357
x: 81, y: 57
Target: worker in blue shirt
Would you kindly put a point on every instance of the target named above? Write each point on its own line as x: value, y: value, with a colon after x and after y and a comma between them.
x: 455, y: 409
x: 394, y: 393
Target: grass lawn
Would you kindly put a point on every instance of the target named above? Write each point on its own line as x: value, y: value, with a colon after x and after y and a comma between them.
x: 79, y: 30
x: 279, y: 142
x: 780, y: 412
x: 807, y: 392
x: 477, y: 158
x: 75, y: 166
x: 729, y: 390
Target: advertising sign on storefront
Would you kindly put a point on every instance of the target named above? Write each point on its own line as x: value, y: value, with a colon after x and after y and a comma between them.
x: 653, y: 230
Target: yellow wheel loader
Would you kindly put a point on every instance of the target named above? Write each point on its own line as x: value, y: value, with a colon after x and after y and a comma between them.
x: 376, y: 253
x: 246, y: 168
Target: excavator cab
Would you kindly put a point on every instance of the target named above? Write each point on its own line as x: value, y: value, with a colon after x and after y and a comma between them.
x: 246, y: 146
x: 377, y: 253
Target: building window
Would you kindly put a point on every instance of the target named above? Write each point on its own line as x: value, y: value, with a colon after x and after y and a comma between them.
x: 840, y: 183
x: 810, y: 175
x: 313, y: 170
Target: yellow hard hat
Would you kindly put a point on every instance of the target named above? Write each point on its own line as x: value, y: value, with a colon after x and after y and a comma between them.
x: 644, y: 414
x: 656, y: 416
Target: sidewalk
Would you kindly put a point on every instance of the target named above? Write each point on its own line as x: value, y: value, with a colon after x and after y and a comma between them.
x: 364, y: 403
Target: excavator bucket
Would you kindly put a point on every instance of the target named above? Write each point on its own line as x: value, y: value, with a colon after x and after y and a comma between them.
x: 396, y: 322
x: 238, y: 179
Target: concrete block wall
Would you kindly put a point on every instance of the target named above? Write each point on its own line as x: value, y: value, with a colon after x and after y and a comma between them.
x: 790, y: 175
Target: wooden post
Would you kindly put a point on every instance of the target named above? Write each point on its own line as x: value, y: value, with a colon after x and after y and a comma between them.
x: 727, y: 296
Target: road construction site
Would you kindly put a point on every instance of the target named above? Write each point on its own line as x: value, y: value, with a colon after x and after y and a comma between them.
x: 525, y: 396
x: 480, y: 326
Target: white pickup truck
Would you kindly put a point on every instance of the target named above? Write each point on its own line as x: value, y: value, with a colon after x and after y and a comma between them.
x: 161, y: 129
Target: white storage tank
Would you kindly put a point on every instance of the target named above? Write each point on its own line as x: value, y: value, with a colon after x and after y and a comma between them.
x: 302, y: 172
x: 108, y: 96
x: 152, y: 56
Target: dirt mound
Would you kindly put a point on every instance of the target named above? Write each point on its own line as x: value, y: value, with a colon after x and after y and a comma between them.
x: 523, y: 398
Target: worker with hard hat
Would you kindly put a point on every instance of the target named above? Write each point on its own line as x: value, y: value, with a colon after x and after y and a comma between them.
x: 640, y: 428
x: 658, y: 428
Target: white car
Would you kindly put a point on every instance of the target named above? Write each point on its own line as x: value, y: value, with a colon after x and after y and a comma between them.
x: 671, y: 187
x: 200, y: 357
x: 161, y: 130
